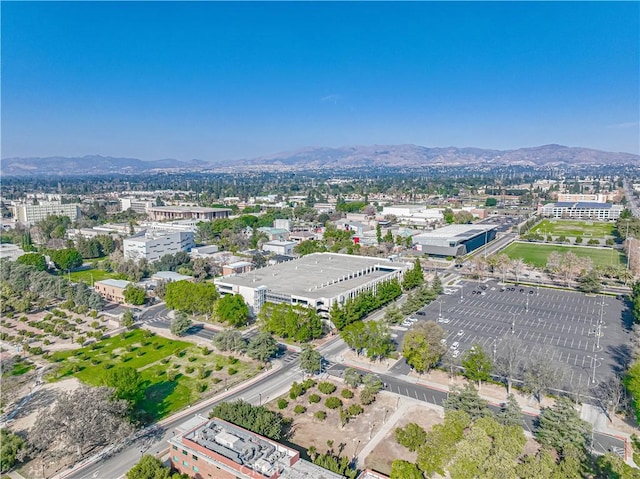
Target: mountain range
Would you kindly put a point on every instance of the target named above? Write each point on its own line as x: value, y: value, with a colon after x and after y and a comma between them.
x: 321, y: 158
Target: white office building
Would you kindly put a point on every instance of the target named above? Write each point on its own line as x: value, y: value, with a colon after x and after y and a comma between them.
x: 581, y: 210
x: 153, y: 246
x: 32, y: 213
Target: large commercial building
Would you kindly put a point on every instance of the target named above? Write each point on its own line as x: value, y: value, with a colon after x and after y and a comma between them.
x: 165, y: 213
x: 30, y: 214
x: 139, y: 206
x: 154, y: 245
x: 454, y: 240
x: 594, y: 197
x: 414, y: 214
x: 216, y: 449
x: 317, y: 280
x: 581, y: 210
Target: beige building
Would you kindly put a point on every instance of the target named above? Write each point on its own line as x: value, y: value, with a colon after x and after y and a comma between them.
x: 112, y: 289
x: 30, y: 214
x: 167, y: 213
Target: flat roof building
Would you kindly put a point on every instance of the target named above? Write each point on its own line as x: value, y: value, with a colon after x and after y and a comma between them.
x: 279, y: 247
x: 164, y: 213
x: 317, y: 280
x: 581, y: 210
x: 112, y: 289
x: 213, y: 448
x: 153, y: 246
x: 454, y: 240
x: 32, y: 213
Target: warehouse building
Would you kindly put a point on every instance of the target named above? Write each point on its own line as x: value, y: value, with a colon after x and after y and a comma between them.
x: 317, y: 280
x: 581, y: 210
x: 454, y: 240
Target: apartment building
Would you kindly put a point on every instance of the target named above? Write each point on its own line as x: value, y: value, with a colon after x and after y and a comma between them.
x: 29, y: 214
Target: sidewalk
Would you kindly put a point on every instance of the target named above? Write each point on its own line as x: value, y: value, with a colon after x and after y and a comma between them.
x: 381, y: 433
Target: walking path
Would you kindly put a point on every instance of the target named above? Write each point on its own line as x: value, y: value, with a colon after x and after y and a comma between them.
x: 382, y: 432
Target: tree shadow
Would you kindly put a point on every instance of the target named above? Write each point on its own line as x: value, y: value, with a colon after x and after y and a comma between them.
x: 154, y: 404
x: 621, y: 355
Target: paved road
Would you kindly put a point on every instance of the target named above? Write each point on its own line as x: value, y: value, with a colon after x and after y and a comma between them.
x: 601, y: 442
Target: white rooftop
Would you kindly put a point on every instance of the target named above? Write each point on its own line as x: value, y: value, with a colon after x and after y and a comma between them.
x: 116, y: 283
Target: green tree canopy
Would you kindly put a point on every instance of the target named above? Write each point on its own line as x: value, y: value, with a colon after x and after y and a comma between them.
x: 405, y: 470
x: 262, y: 347
x: 257, y: 419
x: 127, y: 382
x: 477, y: 364
x: 194, y: 298
x: 233, y: 310
x: 66, y: 259
x: 422, y: 347
x: 310, y: 360
x: 560, y: 425
x: 288, y: 321
x: 150, y: 467
x: 36, y: 260
x: 180, y: 324
x: 134, y: 294
x: 10, y: 446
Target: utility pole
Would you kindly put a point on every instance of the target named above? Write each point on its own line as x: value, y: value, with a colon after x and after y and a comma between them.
x: 494, y: 348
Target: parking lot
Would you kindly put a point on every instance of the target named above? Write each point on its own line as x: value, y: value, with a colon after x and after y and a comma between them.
x: 564, y: 323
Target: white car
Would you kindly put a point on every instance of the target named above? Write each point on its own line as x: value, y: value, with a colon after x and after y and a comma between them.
x: 443, y: 341
x: 445, y: 320
x: 413, y: 320
x: 460, y: 333
x: 455, y: 345
x: 455, y: 353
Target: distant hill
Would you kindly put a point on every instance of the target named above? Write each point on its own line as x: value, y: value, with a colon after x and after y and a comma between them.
x: 91, y: 165
x: 407, y: 156
x: 376, y: 156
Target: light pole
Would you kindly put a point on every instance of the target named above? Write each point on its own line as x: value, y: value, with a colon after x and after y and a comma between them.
x: 494, y: 348
x: 461, y: 293
x: 440, y: 313
x: 594, y: 361
x: 526, y: 308
x: 259, y: 399
x: 513, y: 324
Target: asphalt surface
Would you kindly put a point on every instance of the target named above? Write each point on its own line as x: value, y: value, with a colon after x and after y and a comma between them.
x: 577, y: 330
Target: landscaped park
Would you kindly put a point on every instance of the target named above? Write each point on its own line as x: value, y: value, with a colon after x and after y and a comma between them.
x: 536, y: 254
x: 174, y: 373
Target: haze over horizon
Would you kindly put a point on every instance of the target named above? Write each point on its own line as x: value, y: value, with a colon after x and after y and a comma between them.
x: 217, y: 81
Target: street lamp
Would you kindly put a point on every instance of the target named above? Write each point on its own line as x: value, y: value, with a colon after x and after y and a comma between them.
x: 495, y: 340
x: 513, y: 324
x: 594, y: 360
x: 440, y: 313
x: 259, y: 399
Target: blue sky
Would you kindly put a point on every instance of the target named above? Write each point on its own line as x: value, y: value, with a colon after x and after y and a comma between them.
x: 221, y: 81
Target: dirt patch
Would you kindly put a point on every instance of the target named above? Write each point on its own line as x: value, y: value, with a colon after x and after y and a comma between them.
x: 42, y: 399
x: 309, y: 431
x: 389, y: 450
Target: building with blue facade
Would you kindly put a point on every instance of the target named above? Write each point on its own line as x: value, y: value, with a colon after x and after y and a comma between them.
x: 454, y: 240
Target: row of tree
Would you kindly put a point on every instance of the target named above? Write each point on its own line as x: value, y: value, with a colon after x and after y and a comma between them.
x: 192, y: 298
x: 298, y: 323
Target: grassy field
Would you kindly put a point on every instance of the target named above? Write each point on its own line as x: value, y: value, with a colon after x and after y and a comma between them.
x: 586, y: 229
x: 175, y: 373
x: 89, y: 275
x: 536, y: 254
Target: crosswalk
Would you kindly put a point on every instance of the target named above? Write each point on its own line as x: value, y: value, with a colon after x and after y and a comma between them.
x: 157, y: 319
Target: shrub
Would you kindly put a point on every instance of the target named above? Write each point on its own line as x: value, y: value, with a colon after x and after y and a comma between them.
x: 367, y: 396
x: 176, y: 366
x: 346, y: 393
x: 189, y: 369
x: 308, y: 384
x: 171, y: 376
x: 333, y: 402
x: 326, y: 387
x: 354, y: 410
x: 202, y: 387
x: 320, y: 415
x: 205, y: 351
x: 140, y: 353
x: 232, y: 360
x: 216, y: 380
x: 192, y: 359
x: 296, y: 390
x: 164, y: 360
x: 299, y: 409
x: 282, y: 403
x: 218, y: 367
x: 314, y: 398
x: 232, y: 371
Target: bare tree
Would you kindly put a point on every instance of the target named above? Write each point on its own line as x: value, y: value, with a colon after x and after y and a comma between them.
x: 540, y: 374
x: 611, y: 395
x: 509, y: 359
x: 80, y: 421
x: 517, y: 265
x: 480, y: 265
x: 503, y: 265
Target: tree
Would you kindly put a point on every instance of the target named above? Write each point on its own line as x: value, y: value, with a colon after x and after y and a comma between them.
x: 379, y: 233
x: 491, y: 202
x: 539, y: 374
x: 467, y: 400
x: 589, y: 282
x: 66, y: 259
x: 352, y: 377
x: 560, y: 425
x: 36, y: 260
x: 413, y: 277
x: 233, y: 310
x: 371, y: 337
x: 180, y: 324
x: 230, y: 340
x: 128, y: 319
x: 80, y: 421
x: 127, y: 382
x: 632, y: 383
x: 436, y: 284
x: 511, y: 413
x: 310, y: 360
x: 10, y: 447
x: 422, y: 347
x: 509, y: 359
x: 257, y: 419
x: 151, y: 467
x: 393, y: 315
x: 404, y: 470
x: 412, y: 436
x: 193, y: 298
x: 262, y: 347
x: 476, y: 364
x: 134, y: 294
x: 288, y: 321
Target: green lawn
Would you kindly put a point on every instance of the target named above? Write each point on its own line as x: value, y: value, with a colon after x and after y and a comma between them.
x: 89, y: 275
x: 536, y: 254
x: 156, y: 358
x: 586, y: 229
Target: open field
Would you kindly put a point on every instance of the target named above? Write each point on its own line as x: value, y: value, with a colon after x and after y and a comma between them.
x: 536, y: 254
x: 88, y: 276
x: 586, y: 229
x: 175, y: 373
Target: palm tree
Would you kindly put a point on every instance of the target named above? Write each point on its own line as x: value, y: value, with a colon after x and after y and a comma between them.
x: 312, y: 452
